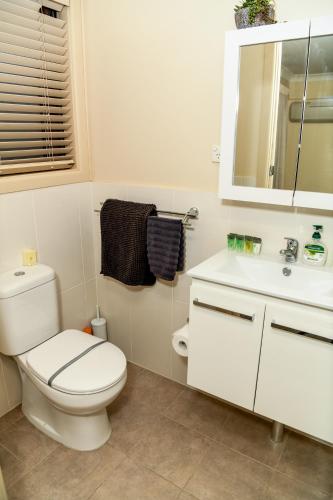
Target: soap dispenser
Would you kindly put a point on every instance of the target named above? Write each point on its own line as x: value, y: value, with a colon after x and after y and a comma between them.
x: 315, y: 251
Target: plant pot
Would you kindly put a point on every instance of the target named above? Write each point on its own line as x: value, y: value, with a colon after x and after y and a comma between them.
x: 242, y: 18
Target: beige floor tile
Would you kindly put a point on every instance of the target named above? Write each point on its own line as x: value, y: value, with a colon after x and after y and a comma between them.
x: 132, y: 482
x: 199, y: 412
x: 133, y: 372
x: 283, y: 488
x: 131, y: 421
x: 10, y: 418
x: 228, y: 475
x: 308, y: 461
x: 67, y: 474
x: 153, y: 390
x: 164, y: 429
x: 12, y: 468
x: 185, y: 496
x: 250, y: 435
x: 171, y: 450
x: 26, y: 442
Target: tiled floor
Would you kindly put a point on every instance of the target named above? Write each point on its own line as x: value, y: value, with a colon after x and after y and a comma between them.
x: 167, y: 443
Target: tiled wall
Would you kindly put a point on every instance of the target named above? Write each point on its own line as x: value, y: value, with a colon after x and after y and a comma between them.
x: 58, y: 223
x: 141, y: 321
x: 61, y: 224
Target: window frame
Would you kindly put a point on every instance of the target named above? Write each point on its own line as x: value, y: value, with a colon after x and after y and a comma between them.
x: 81, y: 171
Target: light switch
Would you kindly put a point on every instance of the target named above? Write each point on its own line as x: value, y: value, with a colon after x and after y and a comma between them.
x: 215, y: 154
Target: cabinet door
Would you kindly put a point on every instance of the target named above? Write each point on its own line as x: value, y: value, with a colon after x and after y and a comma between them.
x: 295, y: 383
x: 224, y: 345
x: 314, y: 186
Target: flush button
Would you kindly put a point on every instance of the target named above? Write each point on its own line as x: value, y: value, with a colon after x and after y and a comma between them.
x: 19, y: 273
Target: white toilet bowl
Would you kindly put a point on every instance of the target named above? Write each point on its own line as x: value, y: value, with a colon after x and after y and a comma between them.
x: 68, y: 378
x: 72, y: 409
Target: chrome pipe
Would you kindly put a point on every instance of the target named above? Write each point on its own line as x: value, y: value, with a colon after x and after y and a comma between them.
x: 277, y: 432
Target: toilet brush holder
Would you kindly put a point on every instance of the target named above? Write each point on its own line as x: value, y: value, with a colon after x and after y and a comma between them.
x: 99, y: 326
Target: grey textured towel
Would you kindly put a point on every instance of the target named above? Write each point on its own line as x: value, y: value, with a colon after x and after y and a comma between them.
x: 124, y: 241
x: 165, y: 245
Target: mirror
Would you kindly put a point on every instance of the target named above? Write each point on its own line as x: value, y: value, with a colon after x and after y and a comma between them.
x: 315, y: 170
x: 271, y: 84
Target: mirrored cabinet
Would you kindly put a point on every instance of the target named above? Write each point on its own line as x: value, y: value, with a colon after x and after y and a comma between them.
x: 277, y: 116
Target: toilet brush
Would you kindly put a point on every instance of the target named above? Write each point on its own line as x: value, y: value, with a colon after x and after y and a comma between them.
x: 99, y: 326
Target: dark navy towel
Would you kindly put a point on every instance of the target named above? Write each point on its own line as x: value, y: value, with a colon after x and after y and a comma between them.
x: 165, y: 246
x: 124, y: 241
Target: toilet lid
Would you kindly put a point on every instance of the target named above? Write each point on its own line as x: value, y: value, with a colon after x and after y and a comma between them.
x: 97, y: 366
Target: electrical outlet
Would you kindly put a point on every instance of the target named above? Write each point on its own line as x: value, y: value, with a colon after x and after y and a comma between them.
x: 216, y: 154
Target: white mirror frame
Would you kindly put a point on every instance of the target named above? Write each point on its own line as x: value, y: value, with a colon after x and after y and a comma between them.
x: 233, y: 42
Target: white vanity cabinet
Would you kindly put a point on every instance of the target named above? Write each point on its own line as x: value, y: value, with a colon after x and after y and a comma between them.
x: 264, y: 354
x: 225, y: 338
x: 295, y: 382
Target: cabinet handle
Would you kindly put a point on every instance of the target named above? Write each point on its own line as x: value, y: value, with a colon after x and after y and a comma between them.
x: 301, y: 333
x: 196, y: 302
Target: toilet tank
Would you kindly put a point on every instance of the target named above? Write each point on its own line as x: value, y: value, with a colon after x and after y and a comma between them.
x: 28, y: 308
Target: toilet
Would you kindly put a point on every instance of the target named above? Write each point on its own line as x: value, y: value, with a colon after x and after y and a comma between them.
x: 69, y: 377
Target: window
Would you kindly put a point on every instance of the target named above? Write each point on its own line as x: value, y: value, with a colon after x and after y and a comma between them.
x: 35, y: 104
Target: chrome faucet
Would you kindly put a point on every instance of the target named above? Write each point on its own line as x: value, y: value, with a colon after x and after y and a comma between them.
x: 291, y: 251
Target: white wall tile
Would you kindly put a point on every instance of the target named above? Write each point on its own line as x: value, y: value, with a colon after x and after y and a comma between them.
x: 207, y: 237
x: 181, y: 287
x: 147, y: 340
x: 269, y: 223
x: 87, y: 234
x: 118, y: 331
x: 104, y: 190
x: 115, y: 303
x: 210, y: 229
x: 58, y: 222
x: 273, y: 224
x: 61, y: 224
x: 179, y: 363
x: 17, y: 228
x: 73, y: 312
x: 58, y: 232
x: 151, y: 327
x: 90, y: 299
x: 307, y: 218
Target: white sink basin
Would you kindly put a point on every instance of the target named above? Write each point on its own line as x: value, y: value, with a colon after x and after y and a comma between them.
x: 305, y: 284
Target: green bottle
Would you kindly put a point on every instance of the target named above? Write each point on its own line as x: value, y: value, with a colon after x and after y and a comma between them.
x: 315, y: 251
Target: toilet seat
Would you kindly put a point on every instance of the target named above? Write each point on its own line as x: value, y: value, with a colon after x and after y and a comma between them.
x: 100, y: 367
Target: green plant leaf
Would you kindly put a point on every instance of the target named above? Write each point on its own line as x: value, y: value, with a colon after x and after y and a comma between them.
x: 255, y: 7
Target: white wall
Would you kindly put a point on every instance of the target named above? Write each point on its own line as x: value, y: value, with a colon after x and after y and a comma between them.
x: 154, y: 86
x: 58, y: 223
x: 141, y: 320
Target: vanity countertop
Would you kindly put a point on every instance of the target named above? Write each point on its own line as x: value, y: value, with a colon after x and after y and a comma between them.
x: 263, y: 274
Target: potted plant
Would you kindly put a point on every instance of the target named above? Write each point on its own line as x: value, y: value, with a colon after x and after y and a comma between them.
x: 254, y: 13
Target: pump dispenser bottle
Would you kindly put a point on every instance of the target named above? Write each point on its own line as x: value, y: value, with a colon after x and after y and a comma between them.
x: 315, y: 251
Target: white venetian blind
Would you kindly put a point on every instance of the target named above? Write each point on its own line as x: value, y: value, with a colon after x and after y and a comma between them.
x: 35, y: 109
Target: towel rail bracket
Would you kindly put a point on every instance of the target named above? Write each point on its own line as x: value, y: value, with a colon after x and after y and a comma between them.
x: 192, y: 213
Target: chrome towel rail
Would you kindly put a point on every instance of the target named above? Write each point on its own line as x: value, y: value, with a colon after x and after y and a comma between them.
x: 192, y: 213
